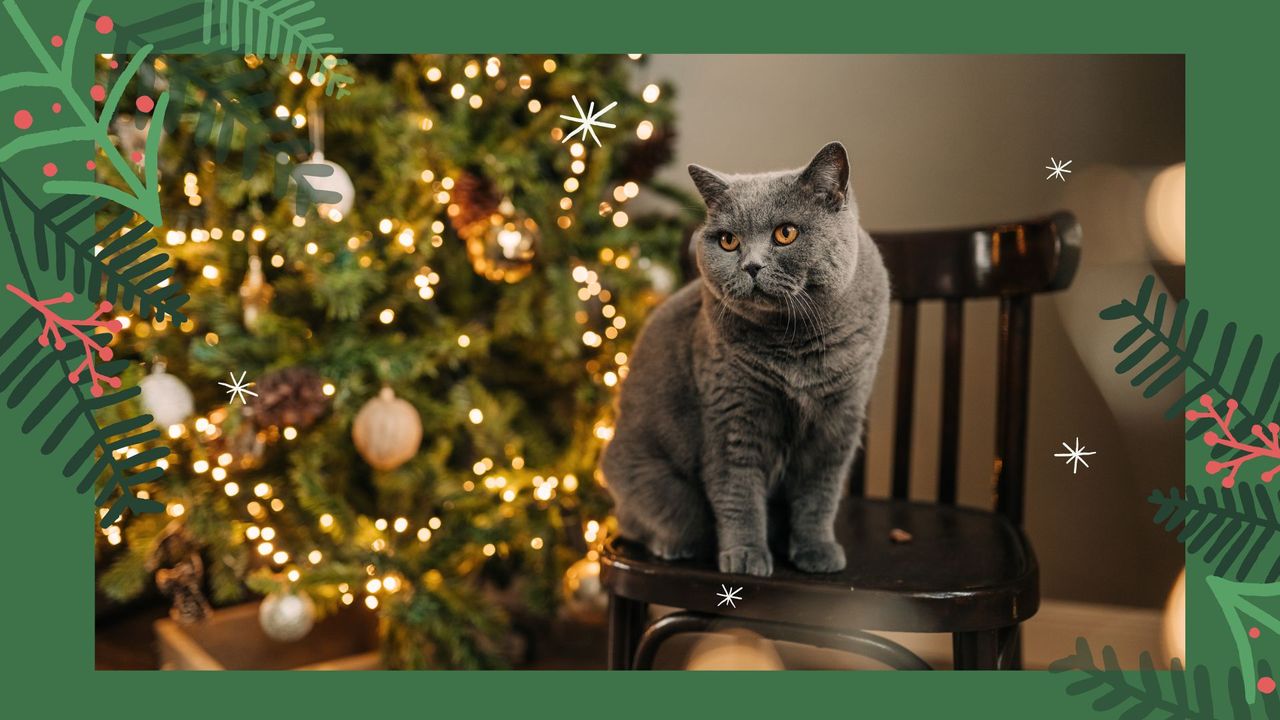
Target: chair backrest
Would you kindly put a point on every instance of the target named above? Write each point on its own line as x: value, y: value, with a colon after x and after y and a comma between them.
x: 1009, y: 261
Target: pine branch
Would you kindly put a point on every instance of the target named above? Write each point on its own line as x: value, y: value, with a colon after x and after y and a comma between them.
x: 1148, y: 696
x: 1176, y: 357
x: 278, y: 30
x: 143, y: 199
x: 118, y: 461
x: 1217, y: 526
x: 123, y: 271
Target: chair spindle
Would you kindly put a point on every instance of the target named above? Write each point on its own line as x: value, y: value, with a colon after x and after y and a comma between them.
x: 904, y: 403
x: 1011, y: 405
x: 949, y: 425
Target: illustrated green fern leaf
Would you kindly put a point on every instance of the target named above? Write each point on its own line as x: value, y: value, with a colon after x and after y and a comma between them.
x: 63, y: 405
x: 1174, y: 696
x: 278, y: 29
x: 1240, y: 602
x: 1156, y: 351
x: 1234, y: 527
x: 124, y: 270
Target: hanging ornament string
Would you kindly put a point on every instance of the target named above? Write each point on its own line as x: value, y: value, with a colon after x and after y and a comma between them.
x: 338, y: 181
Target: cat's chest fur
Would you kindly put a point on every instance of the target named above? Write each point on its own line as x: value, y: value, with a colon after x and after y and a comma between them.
x: 805, y: 374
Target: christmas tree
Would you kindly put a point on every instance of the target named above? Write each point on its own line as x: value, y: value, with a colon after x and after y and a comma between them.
x: 429, y: 353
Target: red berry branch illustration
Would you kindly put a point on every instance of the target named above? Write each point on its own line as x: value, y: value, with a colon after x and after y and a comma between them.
x: 1268, y: 447
x: 55, y: 325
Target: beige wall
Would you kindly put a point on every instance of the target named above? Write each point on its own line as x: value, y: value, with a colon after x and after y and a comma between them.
x: 936, y: 141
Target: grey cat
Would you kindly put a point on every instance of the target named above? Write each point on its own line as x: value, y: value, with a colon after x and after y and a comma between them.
x: 748, y: 388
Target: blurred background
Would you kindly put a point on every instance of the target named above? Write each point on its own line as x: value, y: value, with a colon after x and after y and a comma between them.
x: 934, y: 141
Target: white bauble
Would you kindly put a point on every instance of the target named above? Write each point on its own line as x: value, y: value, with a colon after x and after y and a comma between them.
x: 339, y: 182
x: 165, y: 397
x: 286, y: 617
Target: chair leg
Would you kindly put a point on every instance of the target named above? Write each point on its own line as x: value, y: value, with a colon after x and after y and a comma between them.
x: 627, y: 619
x: 975, y: 650
x: 1011, y: 648
x: 999, y: 649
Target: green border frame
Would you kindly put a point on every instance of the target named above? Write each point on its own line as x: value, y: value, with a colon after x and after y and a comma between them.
x: 47, y: 618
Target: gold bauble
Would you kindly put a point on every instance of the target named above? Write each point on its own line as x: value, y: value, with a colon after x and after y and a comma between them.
x: 387, y: 431
x: 255, y: 293
x: 503, y: 249
x: 584, y: 595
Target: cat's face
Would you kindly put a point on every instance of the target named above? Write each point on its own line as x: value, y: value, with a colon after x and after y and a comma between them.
x: 771, y: 237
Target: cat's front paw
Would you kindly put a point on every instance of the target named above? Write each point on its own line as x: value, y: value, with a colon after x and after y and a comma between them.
x: 818, y: 557
x: 746, y: 560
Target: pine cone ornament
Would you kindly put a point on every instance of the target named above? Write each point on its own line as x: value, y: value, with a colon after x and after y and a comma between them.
x: 476, y: 203
x: 291, y: 397
x: 640, y: 161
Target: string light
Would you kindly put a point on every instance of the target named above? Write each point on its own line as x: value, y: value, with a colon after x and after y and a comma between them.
x: 231, y: 489
x: 489, y: 550
x: 644, y: 130
x: 534, y: 105
x: 434, y: 523
x: 464, y: 340
x: 219, y: 474
x: 294, y: 575
x: 328, y: 389
x: 424, y: 534
x: 380, y: 524
x: 200, y: 466
x: 326, y: 521
x: 401, y: 524
x: 371, y: 602
x: 457, y: 91
x: 314, y: 557
x: 476, y: 416
x: 651, y: 93
x: 387, y: 316
x: 433, y: 74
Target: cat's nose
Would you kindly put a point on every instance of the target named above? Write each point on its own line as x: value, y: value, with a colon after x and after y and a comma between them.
x: 752, y: 268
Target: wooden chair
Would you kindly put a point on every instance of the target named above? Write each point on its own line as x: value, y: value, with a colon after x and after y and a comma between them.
x: 969, y: 572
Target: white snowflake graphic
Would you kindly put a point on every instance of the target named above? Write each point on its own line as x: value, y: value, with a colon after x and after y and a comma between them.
x: 238, y: 388
x: 1057, y: 168
x: 729, y: 596
x: 586, y: 121
x: 1074, y: 456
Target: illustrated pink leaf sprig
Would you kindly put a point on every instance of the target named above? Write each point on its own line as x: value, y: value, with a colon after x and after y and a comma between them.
x: 55, y: 326
x: 1268, y: 447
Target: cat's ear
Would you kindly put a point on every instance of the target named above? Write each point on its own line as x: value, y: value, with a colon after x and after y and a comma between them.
x: 828, y: 175
x: 711, y: 186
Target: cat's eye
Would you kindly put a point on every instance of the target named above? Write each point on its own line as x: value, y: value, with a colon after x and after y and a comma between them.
x: 729, y: 241
x: 785, y: 234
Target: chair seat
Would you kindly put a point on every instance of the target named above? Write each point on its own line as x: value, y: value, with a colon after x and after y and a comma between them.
x: 962, y: 570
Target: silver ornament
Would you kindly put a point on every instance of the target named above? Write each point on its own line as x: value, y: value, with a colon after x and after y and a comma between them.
x: 286, y: 617
x: 165, y: 397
